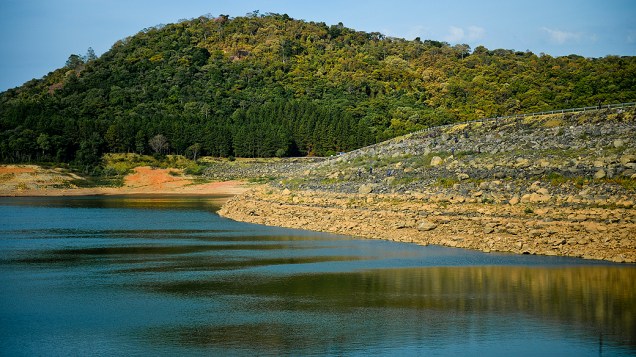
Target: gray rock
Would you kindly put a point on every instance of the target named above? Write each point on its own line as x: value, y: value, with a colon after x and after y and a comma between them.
x: 628, y: 173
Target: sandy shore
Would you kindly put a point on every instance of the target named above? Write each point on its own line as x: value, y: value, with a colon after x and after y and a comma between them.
x: 30, y: 180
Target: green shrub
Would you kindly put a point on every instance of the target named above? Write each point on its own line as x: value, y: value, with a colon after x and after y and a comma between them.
x: 446, y: 182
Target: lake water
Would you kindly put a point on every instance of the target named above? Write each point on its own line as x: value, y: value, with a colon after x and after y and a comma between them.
x: 167, y: 276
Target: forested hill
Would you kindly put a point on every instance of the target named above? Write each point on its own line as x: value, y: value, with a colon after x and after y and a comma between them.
x: 269, y: 85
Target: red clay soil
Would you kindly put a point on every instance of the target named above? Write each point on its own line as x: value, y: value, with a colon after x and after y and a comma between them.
x: 16, y: 170
x: 144, y: 180
x: 151, y: 180
x: 155, y: 179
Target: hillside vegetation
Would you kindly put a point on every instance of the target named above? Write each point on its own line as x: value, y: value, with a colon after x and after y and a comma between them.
x: 269, y: 85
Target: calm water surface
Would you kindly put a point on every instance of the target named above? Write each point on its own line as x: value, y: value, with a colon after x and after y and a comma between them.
x: 167, y: 276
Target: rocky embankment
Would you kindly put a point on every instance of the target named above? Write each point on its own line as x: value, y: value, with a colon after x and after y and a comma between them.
x: 258, y: 169
x: 561, y: 184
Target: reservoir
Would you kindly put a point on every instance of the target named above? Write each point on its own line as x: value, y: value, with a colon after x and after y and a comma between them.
x: 165, y: 276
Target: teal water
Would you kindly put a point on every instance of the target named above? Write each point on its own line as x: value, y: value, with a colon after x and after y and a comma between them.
x: 166, y: 276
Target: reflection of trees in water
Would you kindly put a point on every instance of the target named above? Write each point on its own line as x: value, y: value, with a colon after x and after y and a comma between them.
x: 450, y: 301
x: 595, y: 299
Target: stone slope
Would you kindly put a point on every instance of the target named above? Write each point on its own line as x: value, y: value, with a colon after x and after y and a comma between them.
x: 560, y: 184
x: 566, y: 151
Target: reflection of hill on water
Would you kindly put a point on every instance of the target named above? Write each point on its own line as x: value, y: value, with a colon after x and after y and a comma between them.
x: 594, y: 299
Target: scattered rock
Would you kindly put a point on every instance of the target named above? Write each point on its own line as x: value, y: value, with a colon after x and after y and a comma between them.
x: 539, y: 186
x: 490, y: 227
x: 600, y: 174
x: 400, y: 225
x: 426, y: 225
x: 627, y: 159
x: 462, y: 176
x: 535, y: 186
x: 578, y: 218
x: 535, y: 198
x: 366, y: 189
x: 558, y: 241
x: 543, y: 163
x: 436, y: 161
x: 619, y: 143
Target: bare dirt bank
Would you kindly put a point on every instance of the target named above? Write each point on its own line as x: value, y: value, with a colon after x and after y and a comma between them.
x: 31, y: 180
x: 586, y: 232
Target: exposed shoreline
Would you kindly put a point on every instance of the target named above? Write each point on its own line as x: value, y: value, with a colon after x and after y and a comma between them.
x: 585, y: 232
x: 33, y: 181
x: 590, y: 233
x: 552, y: 185
x: 558, y: 184
x: 228, y: 188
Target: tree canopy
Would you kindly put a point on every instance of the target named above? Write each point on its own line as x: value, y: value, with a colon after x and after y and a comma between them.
x: 269, y: 85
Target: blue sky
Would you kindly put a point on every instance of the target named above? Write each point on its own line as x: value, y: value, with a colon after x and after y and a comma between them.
x: 37, y: 36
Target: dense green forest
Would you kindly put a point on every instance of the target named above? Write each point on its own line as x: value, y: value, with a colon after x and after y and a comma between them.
x: 269, y: 85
